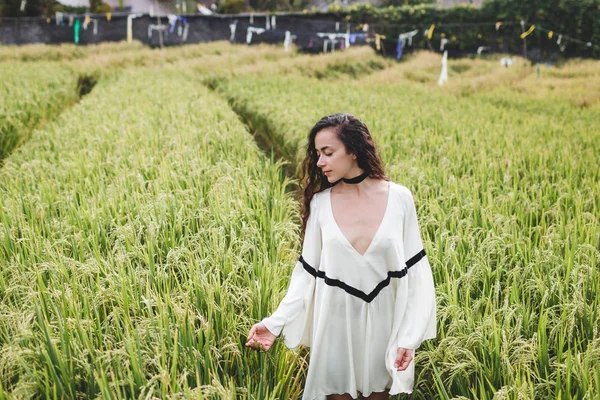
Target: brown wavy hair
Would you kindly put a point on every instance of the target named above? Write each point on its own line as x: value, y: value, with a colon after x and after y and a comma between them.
x: 356, y: 138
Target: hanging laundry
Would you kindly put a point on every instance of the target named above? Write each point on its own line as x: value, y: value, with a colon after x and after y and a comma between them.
x: 310, y: 43
x: 95, y: 22
x: 76, y: 31
x: 498, y: 24
x: 86, y: 22
x: 130, y: 18
x: 273, y: 21
x: 252, y: 30
x: 186, y: 29
x: 378, y: 38
x: 506, y: 61
x: 399, y: 47
x: 288, y: 40
x: 550, y: 34
x: 352, y: 37
x: 172, y: 21
x: 152, y: 27
x: 59, y: 18
x: 408, y: 36
x: 525, y: 34
x: 430, y: 31
x: 267, y: 22
x: 70, y: 20
x: 232, y: 28
x: 108, y: 16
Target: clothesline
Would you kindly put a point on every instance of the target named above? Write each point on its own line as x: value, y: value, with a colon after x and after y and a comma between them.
x: 451, y: 24
x: 563, y: 36
x: 270, y: 20
x: 497, y: 25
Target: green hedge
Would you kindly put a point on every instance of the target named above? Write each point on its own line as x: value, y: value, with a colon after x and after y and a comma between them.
x: 467, y: 27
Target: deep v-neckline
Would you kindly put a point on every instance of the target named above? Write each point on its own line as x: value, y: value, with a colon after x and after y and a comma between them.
x: 379, y: 228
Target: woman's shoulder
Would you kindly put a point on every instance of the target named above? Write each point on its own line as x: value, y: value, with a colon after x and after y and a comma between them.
x: 403, y: 193
x: 317, y: 198
x: 398, y: 188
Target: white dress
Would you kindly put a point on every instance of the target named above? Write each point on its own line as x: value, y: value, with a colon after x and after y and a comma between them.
x: 354, y: 310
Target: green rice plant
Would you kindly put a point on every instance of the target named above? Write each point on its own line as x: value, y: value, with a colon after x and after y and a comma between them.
x: 142, y: 233
x: 29, y: 96
x: 508, y: 203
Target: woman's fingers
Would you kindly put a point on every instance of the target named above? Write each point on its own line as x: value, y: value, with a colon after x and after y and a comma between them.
x: 252, y: 330
x: 403, y: 359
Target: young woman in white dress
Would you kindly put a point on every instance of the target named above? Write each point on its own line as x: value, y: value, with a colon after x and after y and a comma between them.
x: 342, y: 159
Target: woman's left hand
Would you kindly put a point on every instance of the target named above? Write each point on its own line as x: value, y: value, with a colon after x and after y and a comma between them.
x: 403, y: 358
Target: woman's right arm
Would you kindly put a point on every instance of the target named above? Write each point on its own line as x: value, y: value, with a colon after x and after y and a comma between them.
x: 302, y: 283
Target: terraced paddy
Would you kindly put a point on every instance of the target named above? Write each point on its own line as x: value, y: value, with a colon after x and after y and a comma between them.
x: 149, y: 216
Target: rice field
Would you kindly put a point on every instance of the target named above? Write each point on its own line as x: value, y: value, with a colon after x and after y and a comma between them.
x: 145, y: 226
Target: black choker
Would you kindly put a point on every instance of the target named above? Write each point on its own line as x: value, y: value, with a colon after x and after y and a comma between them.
x: 356, y: 179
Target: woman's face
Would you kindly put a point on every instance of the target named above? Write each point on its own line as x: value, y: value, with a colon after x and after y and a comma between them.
x: 333, y: 159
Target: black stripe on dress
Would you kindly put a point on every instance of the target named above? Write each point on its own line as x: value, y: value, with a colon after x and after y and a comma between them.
x: 359, y: 293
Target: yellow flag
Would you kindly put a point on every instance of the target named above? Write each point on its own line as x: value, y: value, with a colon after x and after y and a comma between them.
x: 550, y: 35
x: 48, y: 20
x: 378, y: 38
x: 525, y: 34
x: 430, y: 33
x: 498, y: 24
x: 108, y: 15
x: 87, y: 19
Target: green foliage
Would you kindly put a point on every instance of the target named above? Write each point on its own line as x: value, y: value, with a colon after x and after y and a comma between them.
x: 576, y: 19
x: 33, y: 8
x: 231, y: 6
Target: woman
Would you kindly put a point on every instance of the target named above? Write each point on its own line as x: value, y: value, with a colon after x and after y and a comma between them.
x: 361, y: 295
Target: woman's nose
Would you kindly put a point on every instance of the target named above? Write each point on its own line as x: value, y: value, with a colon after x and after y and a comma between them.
x: 320, y: 163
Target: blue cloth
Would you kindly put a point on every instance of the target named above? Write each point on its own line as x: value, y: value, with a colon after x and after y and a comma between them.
x: 353, y: 36
x: 179, y: 18
x: 399, y: 47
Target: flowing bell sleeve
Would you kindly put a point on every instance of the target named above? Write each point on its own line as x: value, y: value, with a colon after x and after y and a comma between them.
x: 293, y: 317
x: 415, y: 308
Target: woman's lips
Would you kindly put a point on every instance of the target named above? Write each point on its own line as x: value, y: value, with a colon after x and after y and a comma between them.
x: 326, y: 172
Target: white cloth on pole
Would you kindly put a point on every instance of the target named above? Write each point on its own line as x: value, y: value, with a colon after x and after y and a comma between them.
x: 444, y: 73
x: 443, y: 43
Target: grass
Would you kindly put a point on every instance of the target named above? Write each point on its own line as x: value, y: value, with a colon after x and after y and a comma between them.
x: 143, y: 231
